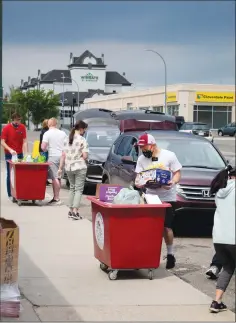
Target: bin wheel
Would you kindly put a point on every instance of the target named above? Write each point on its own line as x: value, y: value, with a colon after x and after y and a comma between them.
x: 112, y: 275
x: 33, y: 201
x: 14, y: 200
x: 103, y: 267
x: 150, y: 274
x: 19, y: 203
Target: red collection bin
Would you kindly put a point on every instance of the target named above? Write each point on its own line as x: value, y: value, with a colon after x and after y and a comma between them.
x: 28, y: 181
x: 127, y: 236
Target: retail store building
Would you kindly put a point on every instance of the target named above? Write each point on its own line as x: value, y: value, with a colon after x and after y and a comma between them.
x: 209, y: 103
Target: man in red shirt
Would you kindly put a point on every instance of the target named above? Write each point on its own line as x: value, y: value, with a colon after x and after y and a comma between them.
x: 14, y: 142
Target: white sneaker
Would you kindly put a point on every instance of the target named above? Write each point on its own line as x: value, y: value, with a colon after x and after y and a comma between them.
x: 213, y: 272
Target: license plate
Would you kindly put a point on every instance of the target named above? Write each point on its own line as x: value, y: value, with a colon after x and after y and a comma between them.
x: 201, y: 133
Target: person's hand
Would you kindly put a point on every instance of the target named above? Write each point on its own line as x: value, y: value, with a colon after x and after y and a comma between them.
x: 12, y: 152
x: 168, y: 186
x: 59, y: 172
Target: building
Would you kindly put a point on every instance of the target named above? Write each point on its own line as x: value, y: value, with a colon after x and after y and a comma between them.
x: 85, y: 77
x: 208, y: 103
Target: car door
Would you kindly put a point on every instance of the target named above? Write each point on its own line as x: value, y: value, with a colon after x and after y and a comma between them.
x: 111, y: 163
x: 121, y: 152
x: 232, y: 129
x: 227, y: 129
x: 127, y: 170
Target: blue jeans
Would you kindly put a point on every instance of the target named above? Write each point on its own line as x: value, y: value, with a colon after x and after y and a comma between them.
x: 8, y: 157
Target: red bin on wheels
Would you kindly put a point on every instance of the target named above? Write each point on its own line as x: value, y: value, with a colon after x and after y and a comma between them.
x: 127, y: 236
x: 28, y: 181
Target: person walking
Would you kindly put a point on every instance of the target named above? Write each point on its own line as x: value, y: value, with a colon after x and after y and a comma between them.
x: 214, y: 269
x: 151, y: 154
x: 53, y: 141
x: 43, y: 153
x: 14, y: 142
x: 74, y: 158
x: 223, y: 233
x: 44, y: 129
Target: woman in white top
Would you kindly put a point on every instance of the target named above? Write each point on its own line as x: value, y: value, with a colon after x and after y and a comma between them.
x: 74, y: 158
x: 223, y: 234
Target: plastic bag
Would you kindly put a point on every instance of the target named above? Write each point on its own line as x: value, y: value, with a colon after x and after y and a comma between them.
x: 127, y: 196
x: 10, y: 300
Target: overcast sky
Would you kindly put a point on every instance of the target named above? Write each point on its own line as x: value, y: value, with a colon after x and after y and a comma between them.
x: 196, y: 38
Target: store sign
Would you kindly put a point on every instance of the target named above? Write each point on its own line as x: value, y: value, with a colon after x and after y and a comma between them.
x: 89, y: 78
x: 171, y: 97
x: 226, y: 97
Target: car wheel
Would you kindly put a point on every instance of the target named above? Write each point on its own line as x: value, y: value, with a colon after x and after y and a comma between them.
x: 220, y: 133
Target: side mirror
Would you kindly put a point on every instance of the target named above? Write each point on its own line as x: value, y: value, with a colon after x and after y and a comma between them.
x: 127, y: 160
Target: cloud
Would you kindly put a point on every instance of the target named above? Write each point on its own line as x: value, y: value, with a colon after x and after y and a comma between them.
x: 201, y: 63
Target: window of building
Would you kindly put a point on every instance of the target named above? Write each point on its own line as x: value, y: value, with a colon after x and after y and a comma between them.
x: 158, y: 109
x: 129, y: 106
x: 173, y: 110
x: 214, y: 116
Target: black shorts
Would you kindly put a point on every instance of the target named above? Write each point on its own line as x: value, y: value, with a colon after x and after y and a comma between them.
x: 169, y: 216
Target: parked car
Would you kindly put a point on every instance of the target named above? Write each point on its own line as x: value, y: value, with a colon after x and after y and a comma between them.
x: 228, y: 130
x: 200, y: 160
x: 196, y: 128
x: 100, y: 139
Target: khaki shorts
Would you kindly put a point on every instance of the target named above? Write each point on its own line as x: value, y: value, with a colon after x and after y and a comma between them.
x: 53, y: 167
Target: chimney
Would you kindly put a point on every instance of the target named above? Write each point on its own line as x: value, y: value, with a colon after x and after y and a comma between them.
x: 123, y: 73
x: 102, y: 58
x: 21, y: 83
x: 29, y: 79
x: 71, y: 58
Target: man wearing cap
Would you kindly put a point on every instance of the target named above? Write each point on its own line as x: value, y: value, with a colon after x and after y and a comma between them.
x: 153, y: 154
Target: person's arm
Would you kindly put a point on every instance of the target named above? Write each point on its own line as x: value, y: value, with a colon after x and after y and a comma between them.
x: 44, y: 144
x: 5, y: 146
x: 62, y: 163
x: 138, y: 169
x: 175, y: 168
x: 3, y: 141
x: 25, y: 143
x: 85, y: 150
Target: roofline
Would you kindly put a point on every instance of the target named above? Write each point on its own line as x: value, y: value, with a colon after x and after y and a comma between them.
x: 86, y: 65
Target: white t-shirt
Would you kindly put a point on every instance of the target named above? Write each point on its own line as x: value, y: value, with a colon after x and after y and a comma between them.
x: 170, y: 161
x: 55, y: 141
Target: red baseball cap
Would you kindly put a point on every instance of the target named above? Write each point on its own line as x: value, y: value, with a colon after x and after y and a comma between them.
x: 146, y: 139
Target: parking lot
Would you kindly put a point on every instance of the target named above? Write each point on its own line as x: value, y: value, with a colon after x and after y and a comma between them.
x: 193, y: 254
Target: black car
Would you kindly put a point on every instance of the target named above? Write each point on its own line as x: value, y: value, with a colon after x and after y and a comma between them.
x: 100, y: 139
x: 200, y: 159
x: 228, y: 130
x: 196, y: 128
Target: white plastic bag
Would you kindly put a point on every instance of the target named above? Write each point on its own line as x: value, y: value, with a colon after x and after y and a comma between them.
x: 127, y: 196
x: 10, y: 300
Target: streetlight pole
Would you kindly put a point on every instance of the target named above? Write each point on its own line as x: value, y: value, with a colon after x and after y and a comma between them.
x: 155, y: 52
x: 62, y: 102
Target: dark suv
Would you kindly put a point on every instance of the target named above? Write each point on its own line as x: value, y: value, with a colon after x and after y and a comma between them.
x: 200, y: 160
x: 228, y: 130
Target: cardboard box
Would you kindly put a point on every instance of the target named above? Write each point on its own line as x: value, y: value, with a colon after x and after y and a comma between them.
x: 107, y: 192
x: 155, y: 176
x: 9, y: 251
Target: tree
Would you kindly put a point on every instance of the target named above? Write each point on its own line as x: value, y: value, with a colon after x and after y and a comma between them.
x: 15, y: 102
x: 41, y: 105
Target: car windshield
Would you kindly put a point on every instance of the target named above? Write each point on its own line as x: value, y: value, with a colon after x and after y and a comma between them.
x: 101, y: 138
x: 195, y: 153
x: 200, y: 127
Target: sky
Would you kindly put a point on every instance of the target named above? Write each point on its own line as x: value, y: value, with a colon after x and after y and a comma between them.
x: 196, y: 39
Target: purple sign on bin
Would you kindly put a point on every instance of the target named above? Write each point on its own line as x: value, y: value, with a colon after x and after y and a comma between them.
x: 107, y: 193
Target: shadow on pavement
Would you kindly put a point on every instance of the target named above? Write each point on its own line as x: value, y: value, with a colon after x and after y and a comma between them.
x: 37, y: 288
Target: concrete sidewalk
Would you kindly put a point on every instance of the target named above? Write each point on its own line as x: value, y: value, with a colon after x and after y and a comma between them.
x: 61, y: 281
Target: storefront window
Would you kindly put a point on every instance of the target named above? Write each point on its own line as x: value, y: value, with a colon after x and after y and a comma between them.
x: 158, y: 109
x: 214, y: 116
x: 173, y: 110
